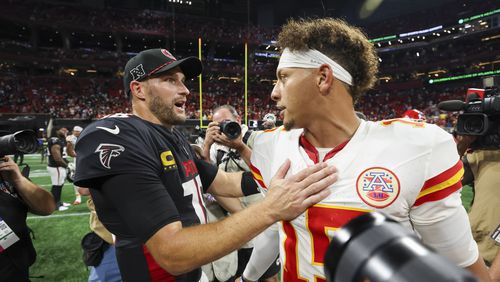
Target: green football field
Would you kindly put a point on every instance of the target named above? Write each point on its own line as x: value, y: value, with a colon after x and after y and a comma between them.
x: 57, y: 237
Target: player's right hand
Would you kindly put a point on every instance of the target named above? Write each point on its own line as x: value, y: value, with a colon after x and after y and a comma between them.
x: 213, y: 130
x: 291, y: 196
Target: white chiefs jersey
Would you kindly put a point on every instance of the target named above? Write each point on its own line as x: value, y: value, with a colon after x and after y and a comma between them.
x: 402, y: 167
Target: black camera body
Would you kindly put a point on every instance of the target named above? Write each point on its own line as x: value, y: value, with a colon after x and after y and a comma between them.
x: 230, y: 128
x: 480, y: 117
x: 24, y: 141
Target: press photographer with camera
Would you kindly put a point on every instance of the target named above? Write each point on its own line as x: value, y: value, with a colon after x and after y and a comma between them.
x: 18, y: 195
x: 478, y: 142
x: 224, y: 136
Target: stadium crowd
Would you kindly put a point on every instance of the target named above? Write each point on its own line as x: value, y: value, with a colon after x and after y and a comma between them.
x: 72, y: 67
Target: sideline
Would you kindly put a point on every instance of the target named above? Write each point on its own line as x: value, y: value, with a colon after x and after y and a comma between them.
x: 59, y: 215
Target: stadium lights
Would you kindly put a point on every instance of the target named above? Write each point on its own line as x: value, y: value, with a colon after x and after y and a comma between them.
x: 465, y: 76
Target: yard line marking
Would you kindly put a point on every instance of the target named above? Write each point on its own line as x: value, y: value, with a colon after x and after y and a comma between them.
x: 59, y: 215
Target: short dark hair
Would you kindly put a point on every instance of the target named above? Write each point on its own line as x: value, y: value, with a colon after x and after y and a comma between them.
x: 343, y: 43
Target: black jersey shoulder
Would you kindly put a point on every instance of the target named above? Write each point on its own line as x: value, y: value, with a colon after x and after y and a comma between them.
x: 114, y: 145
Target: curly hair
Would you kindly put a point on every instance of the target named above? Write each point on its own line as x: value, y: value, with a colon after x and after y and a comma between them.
x: 343, y: 43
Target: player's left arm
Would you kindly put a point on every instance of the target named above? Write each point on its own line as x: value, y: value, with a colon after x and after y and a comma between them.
x: 438, y: 214
x: 226, y: 184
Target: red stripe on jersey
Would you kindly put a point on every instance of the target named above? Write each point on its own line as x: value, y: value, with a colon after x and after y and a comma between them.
x: 447, y: 174
x: 291, y: 264
x: 157, y: 273
x: 257, y: 176
x: 438, y: 195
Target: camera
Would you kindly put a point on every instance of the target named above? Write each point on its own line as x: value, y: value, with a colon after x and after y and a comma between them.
x: 480, y: 117
x: 373, y: 247
x: 24, y: 141
x: 230, y: 128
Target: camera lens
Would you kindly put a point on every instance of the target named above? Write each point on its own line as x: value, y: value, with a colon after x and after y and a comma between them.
x: 474, y: 124
x: 230, y: 128
x: 24, y: 141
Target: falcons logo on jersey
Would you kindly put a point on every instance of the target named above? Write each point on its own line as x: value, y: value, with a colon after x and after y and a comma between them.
x: 108, y: 151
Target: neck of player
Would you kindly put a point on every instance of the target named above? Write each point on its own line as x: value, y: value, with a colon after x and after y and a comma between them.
x: 335, y: 123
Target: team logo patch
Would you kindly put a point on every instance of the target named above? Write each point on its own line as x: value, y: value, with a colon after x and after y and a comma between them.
x: 107, y: 152
x: 137, y: 72
x: 167, y: 160
x: 378, y: 187
x: 168, y: 54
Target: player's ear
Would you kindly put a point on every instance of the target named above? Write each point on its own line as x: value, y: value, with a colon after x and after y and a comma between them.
x: 137, y: 89
x: 325, y: 79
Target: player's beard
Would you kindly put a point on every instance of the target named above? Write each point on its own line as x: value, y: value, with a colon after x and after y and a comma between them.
x: 165, y: 112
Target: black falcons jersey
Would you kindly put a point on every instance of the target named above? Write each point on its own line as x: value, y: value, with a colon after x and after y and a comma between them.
x: 55, y: 141
x: 126, y: 144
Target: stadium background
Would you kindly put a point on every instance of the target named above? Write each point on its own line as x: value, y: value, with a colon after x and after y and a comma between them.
x: 61, y: 63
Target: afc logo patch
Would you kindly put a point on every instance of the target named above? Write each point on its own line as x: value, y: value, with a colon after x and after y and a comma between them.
x: 167, y: 160
x: 378, y: 187
x: 137, y: 72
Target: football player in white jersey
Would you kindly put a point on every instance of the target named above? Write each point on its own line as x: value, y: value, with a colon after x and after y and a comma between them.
x: 407, y: 169
x: 70, y: 149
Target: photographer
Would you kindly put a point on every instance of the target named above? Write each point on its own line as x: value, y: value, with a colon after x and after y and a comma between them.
x: 18, y: 195
x: 481, y: 170
x: 478, y: 142
x: 223, y: 136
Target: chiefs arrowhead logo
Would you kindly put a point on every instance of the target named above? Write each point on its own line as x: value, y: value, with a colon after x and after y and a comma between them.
x: 108, y: 151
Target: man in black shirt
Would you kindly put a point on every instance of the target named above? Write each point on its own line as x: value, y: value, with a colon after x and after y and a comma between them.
x: 57, y: 165
x: 146, y: 182
x: 18, y: 195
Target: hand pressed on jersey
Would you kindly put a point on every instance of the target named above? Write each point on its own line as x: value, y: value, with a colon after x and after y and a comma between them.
x: 289, y: 197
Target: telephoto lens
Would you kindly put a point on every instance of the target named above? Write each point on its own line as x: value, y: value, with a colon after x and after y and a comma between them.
x: 23, y: 141
x: 230, y: 128
x: 374, y: 248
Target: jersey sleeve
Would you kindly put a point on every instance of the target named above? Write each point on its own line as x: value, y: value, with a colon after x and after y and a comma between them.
x: 437, y: 213
x: 260, y: 162
x: 110, y: 147
x: 207, y: 172
x: 444, y: 170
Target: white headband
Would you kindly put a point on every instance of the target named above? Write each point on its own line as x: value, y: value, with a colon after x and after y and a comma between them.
x: 311, y: 59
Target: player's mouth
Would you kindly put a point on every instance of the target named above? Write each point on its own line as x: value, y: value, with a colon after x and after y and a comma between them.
x: 180, y: 105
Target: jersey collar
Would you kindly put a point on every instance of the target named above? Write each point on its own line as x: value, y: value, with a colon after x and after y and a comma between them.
x: 313, y: 153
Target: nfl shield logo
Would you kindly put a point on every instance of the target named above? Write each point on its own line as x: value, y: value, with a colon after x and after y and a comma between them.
x: 378, y: 187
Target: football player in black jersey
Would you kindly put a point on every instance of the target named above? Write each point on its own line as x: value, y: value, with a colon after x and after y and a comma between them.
x: 57, y: 165
x: 146, y: 182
